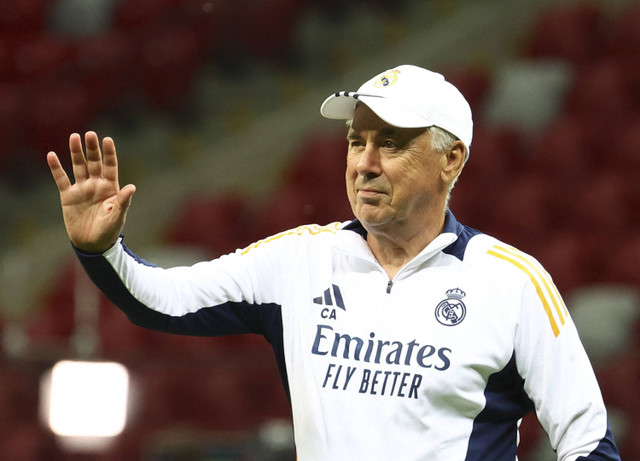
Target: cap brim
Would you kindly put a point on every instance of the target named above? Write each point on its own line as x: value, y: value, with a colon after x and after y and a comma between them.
x: 341, y: 106
x: 338, y: 106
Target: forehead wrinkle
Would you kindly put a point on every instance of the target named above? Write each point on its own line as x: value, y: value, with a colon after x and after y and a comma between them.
x: 388, y: 131
x: 366, y: 120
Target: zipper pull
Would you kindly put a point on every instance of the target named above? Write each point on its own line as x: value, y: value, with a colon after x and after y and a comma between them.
x: 389, y: 285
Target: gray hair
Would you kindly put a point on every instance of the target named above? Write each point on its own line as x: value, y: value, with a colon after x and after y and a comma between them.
x: 442, y: 141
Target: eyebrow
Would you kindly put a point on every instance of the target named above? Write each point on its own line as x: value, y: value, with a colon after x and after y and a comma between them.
x: 388, y: 131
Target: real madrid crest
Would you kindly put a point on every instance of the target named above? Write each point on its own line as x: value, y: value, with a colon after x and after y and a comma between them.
x: 452, y: 310
x: 387, y: 79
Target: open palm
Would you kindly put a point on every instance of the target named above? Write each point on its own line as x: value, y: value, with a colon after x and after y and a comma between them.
x: 94, y: 208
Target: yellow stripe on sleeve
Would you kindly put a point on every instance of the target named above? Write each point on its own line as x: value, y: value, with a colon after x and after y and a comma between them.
x: 548, y: 284
x: 543, y: 299
x: 311, y: 229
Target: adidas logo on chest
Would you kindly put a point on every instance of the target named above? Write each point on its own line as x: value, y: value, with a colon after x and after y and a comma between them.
x: 331, y: 299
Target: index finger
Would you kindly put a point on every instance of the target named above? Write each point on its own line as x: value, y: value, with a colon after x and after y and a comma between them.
x: 59, y: 175
x: 109, y: 160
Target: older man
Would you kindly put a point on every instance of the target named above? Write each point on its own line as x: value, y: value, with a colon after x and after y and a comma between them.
x: 399, y: 335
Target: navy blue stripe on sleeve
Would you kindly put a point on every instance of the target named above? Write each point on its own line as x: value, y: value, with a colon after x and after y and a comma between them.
x: 211, y: 321
x: 605, y: 451
x: 494, y: 434
x: 226, y: 319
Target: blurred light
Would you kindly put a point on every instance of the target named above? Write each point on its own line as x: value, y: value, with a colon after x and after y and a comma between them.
x: 86, y: 399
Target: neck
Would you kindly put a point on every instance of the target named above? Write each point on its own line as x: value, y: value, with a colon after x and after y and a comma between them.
x: 395, y: 248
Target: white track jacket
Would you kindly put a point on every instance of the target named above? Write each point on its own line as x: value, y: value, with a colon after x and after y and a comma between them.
x: 439, y: 363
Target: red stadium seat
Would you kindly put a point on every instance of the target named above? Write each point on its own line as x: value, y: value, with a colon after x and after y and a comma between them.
x: 470, y: 204
x: 601, y: 88
x: 473, y: 83
x: 321, y: 156
x: 623, y: 254
x: 55, y: 110
x: 624, y: 47
x: 6, y: 62
x: 210, y: 397
x: 105, y: 65
x: 619, y: 381
x: 564, y: 256
x: 602, y: 98
x: 569, y: 32
x: 313, y: 190
x: 41, y: 56
x: 220, y: 224
x: 630, y: 446
x: 219, y: 24
x: 520, y: 212
x: 495, y: 153
x: 138, y: 13
x: 623, y: 154
x: 19, y: 388
x: 52, y: 323
x: 154, y: 397
x: 602, y: 215
x: 169, y: 59
x: 12, y: 121
x: 266, y: 395
x: 269, y: 26
x: 119, y: 338
x: 625, y: 36
x: 619, y: 384
x: 22, y: 16
x: 28, y: 441
x: 563, y: 147
x: 603, y: 206
x: 135, y: 440
x: 288, y: 207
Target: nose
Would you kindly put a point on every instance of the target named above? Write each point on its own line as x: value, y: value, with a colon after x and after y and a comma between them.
x: 369, y: 161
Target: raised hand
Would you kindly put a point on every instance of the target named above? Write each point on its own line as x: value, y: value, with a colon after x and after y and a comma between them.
x: 94, y: 208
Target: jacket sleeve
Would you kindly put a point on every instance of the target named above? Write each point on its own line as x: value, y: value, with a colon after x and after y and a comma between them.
x: 212, y: 298
x: 558, y: 375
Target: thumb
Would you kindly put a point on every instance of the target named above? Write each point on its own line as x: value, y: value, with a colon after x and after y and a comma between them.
x: 125, y: 194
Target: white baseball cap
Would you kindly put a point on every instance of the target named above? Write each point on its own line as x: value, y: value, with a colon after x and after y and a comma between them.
x: 408, y: 97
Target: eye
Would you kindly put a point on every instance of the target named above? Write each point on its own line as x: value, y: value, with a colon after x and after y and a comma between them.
x: 355, y: 143
x: 389, y: 144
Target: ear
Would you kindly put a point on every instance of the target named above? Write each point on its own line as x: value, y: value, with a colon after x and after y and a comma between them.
x: 453, y: 161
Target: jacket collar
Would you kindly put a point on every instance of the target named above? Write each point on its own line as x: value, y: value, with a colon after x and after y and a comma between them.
x: 451, y: 225
x: 355, y: 241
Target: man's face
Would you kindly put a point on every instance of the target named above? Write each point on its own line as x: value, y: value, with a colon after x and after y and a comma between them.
x: 393, y: 176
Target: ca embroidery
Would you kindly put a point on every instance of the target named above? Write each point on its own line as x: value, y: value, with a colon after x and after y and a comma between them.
x: 452, y: 310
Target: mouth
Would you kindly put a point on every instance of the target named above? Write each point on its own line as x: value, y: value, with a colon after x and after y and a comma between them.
x: 369, y: 193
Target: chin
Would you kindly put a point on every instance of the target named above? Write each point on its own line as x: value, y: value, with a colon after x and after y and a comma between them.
x: 372, y: 222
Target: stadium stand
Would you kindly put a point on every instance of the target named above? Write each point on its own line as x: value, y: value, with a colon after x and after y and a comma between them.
x: 567, y: 193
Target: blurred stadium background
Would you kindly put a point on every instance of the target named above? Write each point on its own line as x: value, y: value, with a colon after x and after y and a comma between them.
x: 214, y: 107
